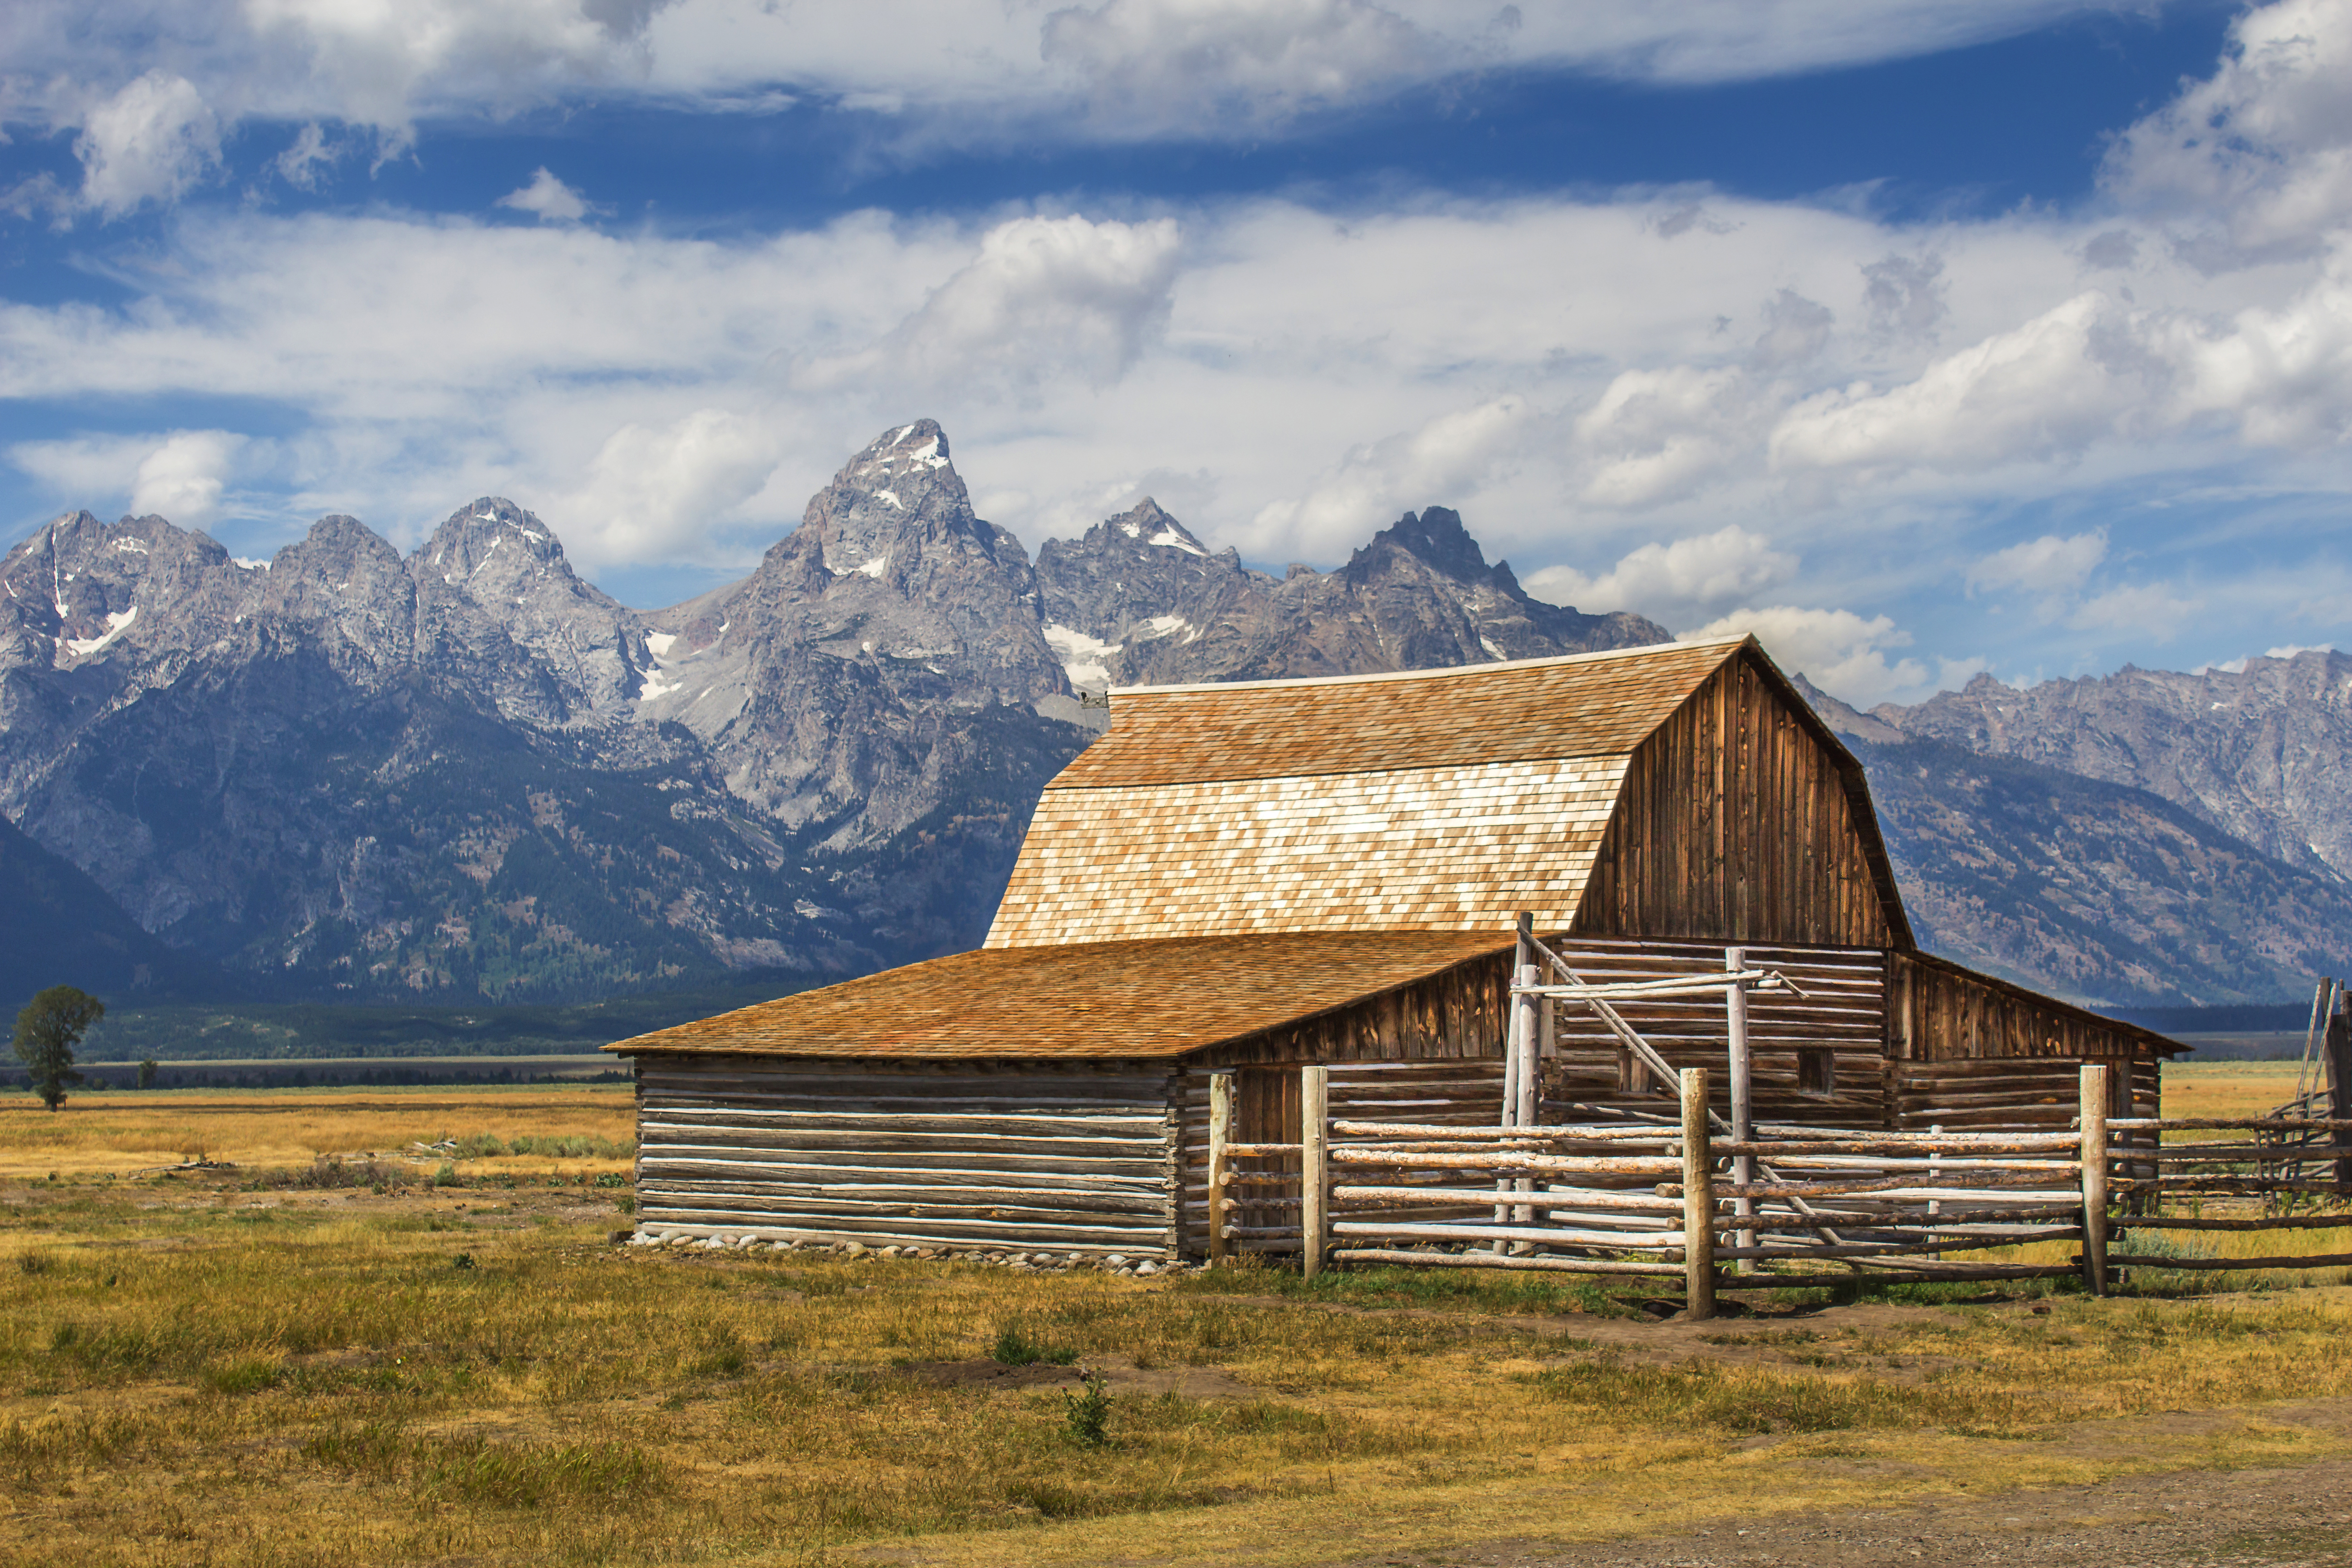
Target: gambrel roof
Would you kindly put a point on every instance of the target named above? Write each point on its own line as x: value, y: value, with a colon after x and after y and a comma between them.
x: 1434, y: 800
x: 1232, y: 858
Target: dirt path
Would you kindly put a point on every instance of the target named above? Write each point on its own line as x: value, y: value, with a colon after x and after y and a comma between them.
x: 2288, y: 1517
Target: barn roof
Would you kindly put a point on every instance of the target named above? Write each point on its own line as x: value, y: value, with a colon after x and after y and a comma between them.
x: 1445, y: 799
x: 1116, y: 999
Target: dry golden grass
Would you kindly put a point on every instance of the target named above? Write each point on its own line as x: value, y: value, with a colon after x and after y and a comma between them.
x: 2227, y: 1088
x: 202, y: 1369
x: 122, y: 1131
x: 198, y: 1373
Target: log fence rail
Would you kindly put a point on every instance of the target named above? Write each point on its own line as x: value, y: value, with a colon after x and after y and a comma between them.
x: 1676, y: 1199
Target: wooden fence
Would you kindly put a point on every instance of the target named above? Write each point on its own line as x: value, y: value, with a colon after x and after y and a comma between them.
x: 1779, y: 1205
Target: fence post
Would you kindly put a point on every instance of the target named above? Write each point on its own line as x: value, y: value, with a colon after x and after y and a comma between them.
x: 2093, y: 1098
x: 1221, y: 1132
x: 1698, y: 1200
x: 1523, y: 1039
x: 1743, y: 1100
x: 1315, y: 1175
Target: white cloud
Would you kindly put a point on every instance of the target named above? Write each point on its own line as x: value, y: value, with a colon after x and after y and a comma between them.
x: 1199, y: 69
x: 656, y: 494
x: 2255, y: 162
x: 1043, y: 298
x: 180, y: 474
x: 1376, y: 484
x: 547, y: 199
x: 1660, y: 435
x: 1837, y: 650
x: 2149, y: 610
x: 2052, y: 565
x: 1679, y: 583
x: 305, y: 162
x: 2036, y: 392
x: 182, y: 478
x: 1795, y: 330
x: 1153, y: 65
x: 149, y: 143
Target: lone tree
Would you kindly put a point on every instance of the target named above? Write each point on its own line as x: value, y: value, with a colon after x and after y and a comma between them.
x: 48, y: 1030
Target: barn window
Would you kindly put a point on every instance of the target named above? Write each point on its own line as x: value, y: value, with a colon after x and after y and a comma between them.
x: 1816, y: 1070
x: 1633, y: 1074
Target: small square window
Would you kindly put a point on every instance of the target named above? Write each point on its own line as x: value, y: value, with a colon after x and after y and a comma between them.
x: 1817, y: 1071
x: 1633, y: 1074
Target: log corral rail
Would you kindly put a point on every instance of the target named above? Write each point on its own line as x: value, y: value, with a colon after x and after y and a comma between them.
x: 1843, y: 1206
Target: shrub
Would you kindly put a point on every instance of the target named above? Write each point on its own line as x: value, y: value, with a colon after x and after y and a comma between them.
x: 1087, y: 1412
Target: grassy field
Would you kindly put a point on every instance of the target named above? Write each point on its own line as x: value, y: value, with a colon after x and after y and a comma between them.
x: 226, y: 1366
x: 120, y: 1132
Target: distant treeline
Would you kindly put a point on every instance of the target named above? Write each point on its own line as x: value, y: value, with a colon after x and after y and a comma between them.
x: 329, y: 1074
x: 2277, y: 1018
x: 298, y: 1031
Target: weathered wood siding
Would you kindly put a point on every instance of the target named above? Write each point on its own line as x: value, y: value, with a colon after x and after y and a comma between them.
x: 1736, y: 821
x: 1457, y: 1092
x: 1452, y: 1014
x: 1966, y: 1050
x: 1060, y: 1156
x: 1841, y: 1014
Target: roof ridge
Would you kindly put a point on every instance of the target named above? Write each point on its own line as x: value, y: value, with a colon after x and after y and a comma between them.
x: 1647, y: 650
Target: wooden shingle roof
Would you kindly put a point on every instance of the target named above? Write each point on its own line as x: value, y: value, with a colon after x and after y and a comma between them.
x: 1123, y: 999
x: 1438, y: 800
x: 1582, y: 705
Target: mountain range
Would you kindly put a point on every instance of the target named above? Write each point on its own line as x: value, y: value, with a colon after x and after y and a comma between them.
x: 467, y: 775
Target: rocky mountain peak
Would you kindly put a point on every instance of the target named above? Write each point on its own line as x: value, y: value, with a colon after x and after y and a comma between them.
x: 898, y: 495
x: 475, y: 537
x: 1435, y: 539
x: 90, y: 585
x: 1146, y: 526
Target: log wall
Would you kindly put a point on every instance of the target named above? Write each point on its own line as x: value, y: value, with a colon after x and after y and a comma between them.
x: 1454, y: 1092
x: 1839, y: 1024
x: 1045, y: 1156
x: 1739, y: 819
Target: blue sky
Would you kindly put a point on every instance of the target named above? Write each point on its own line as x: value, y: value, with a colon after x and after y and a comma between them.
x: 1922, y: 339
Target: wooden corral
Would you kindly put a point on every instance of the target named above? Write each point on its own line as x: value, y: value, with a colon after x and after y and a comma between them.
x: 1255, y: 877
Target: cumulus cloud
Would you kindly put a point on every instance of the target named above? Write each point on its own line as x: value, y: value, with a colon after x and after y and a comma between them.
x: 547, y: 199
x: 1676, y: 582
x: 149, y: 143
x: 2254, y: 163
x: 1842, y: 653
x: 2050, y: 566
x: 1376, y: 484
x: 183, y: 478
x: 1658, y: 434
x: 2036, y: 392
x: 1045, y: 298
x: 180, y: 474
x: 656, y: 493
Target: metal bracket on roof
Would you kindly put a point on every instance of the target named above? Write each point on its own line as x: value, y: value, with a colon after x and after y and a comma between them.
x: 1094, y: 699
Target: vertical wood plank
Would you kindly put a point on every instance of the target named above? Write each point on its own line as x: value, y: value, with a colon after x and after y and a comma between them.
x: 1315, y: 1176
x: 1698, y: 1199
x: 1221, y: 1132
x: 2093, y: 1113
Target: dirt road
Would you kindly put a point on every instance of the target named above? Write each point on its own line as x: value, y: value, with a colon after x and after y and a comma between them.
x: 2299, y: 1517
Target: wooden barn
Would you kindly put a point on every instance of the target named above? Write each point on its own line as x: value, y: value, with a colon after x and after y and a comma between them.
x: 1253, y: 877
